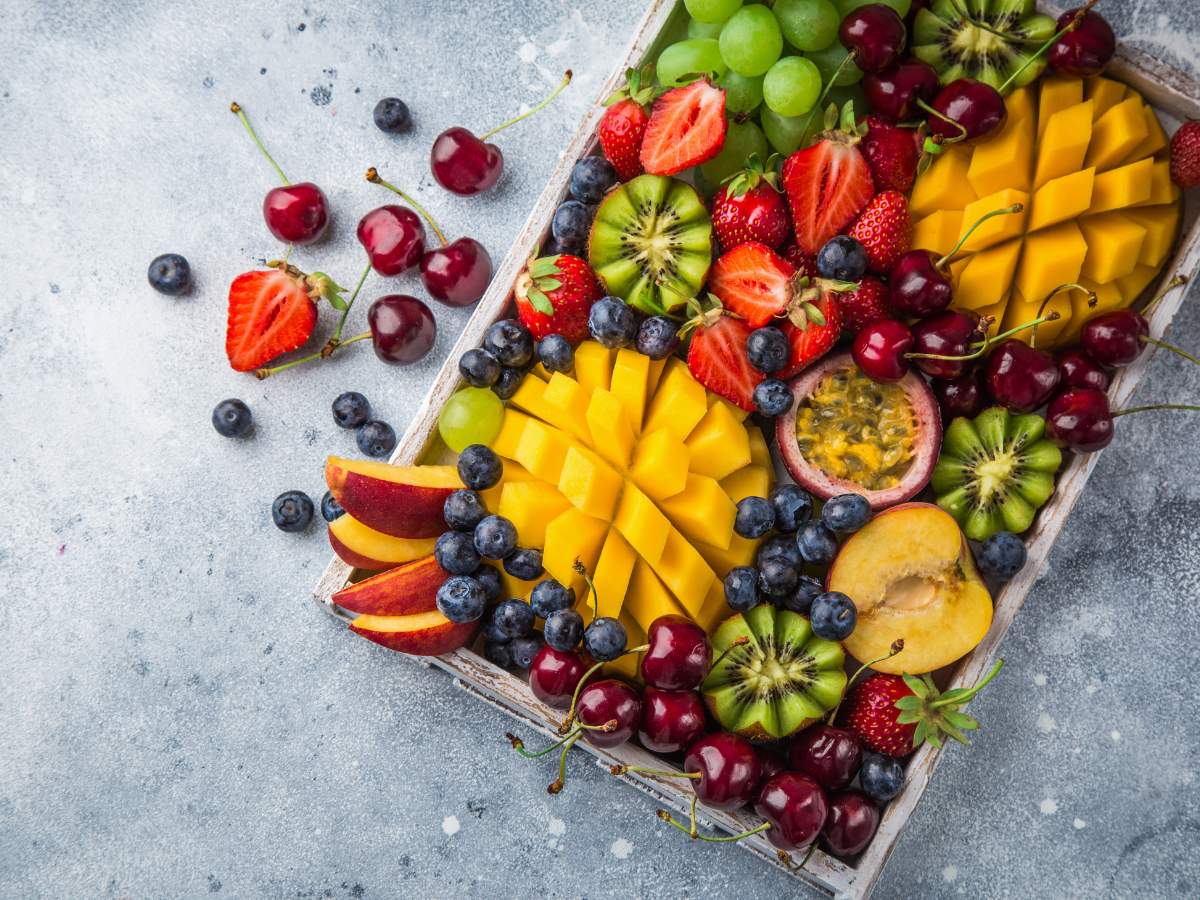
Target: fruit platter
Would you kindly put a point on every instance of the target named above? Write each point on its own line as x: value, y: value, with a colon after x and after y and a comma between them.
x: 761, y: 432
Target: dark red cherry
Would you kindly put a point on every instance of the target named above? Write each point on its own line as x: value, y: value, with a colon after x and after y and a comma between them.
x: 554, y: 675
x: 458, y: 273
x: 607, y: 701
x: 729, y: 767
x: 961, y: 396
x: 463, y: 164
x: 795, y: 806
x: 851, y: 823
x: 1115, y: 338
x: 948, y: 334
x: 875, y: 34
x: 678, y: 654
x: 393, y: 237
x: 1086, y: 50
x: 671, y: 720
x: 893, y: 93
x: 977, y: 107
x: 1078, y: 370
x: 879, y: 350
x: 296, y: 213
x: 402, y: 329
x: 828, y: 755
x: 919, y: 287
x: 773, y: 762
x: 1080, y: 419
x: 1020, y: 377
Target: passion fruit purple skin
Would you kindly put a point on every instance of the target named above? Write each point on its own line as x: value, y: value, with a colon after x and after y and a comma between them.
x: 927, y: 445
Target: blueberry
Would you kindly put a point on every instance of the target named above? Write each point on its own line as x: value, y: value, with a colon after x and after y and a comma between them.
x: 846, y: 513
x: 569, y: 225
x: 881, y: 776
x: 657, y: 337
x: 800, y: 600
x: 479, y: 467
x: 772, y: 397
x: 170, y: 274
x: 461, y: 599
x: 783, y: 546
x: 524, y: 649
x: 550, y: 597
x: 489, y: 578
x: 833, y: 616
x: 768, y: 349
x: 741, y: 588
x: 591, y: 178
x: 232, y: 418
x: 793, y: 506
x: 605, y: 639
x: 816, y: 543
x: 553, y: 248
x: 330, y: 508
x: 375, y: 438
x: 556, y: 353
x: 1001, y: 556
x: 498, y: 654
x: 292, y: 511
x: 455, y: 552
x: 514, y: 618
x: 842, y: 258
x: 351, y: 409
x: 479, y: 368
x: 391, y: 115
x: 563, y: 630
x: 492, y: 632
x: 508, y: 382
x: 463, y: 510
x: 777, y: 578
x: 524, y: 563
x: 510, y: 342
x: 612, y: 322
x: 755, y: 517
x: 495, y: 537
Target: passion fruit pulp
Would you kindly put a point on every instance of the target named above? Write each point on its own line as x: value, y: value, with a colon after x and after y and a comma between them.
x: 848, y: 434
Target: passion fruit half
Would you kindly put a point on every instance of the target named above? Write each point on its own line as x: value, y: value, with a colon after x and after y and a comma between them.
x: 848, y: 434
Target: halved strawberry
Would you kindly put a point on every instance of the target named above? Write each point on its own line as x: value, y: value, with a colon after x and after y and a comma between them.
x: 753, y: 281
x: 687, y: 127
x: 554, y: 296
x: 270, y: 313
x: 813, y: 327
x: 717, y: 356
x: 827, y: 185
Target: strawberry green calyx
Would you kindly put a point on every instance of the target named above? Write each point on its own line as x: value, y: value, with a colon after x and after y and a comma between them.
x: 936, y: 714
x: 806, y: 292
x: 701, y: 316
x: 542, y: 280
x: 757, y: 171
x: 639, y: 87
x: 318, y: 284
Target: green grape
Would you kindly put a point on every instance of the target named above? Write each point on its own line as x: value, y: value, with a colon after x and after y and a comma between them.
x: 742, y: 94
x: 471, y: 416
x: 792, y: 86
x: 750, y: 41
x: 742, y: 139
x: 712, y: 10
x: 829, y: 59
x: 704, y: 29
x: 848, y: 6
x: 788, y: 134
x: 808, y: 24
x: 698, y: 56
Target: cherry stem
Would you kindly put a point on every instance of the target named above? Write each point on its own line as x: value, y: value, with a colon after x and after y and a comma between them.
x: 260, y: 374
x: 373, y: 177
x: 959, y: 701
x: 336, y: 337
x: 566, y: 79
x: 945, y: 118
x: 237, y: 110
x: 1166, y: 289
x: 566, y: 723
x: 519, y: 746
x: 1051, y: 316
x: 557, y: 785
x: 695, y: 835
x: 1150, y: 406
x: 1158, y: 342
x: 897, y: 646
x: 1069, y: 286
x: 1006, y: 211
x: 658, y: 773
x: 1029, y: 61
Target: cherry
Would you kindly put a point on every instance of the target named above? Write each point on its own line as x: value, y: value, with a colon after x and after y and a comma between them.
x: 294, y: 213
x: 393, y: 237
x: 1115, y: 338
x: 880, y: 350
x: 554, y: 675
x: 465, y: 164
x: 828, y: 755
x: 965, y: 110
x: 894, y: 93
x: 402, y: 329
x: 678, y: 656
x: 602, y: 703
x: 729, y: 770
x: 795, y: 806
x: 671, y: 720
x: 1080, y: 418
x: 961, y: 396
x: 851, y: 823
x: 949, y: 334
x: 1020, y: 377
x: 875, y: 34
x: 1078, y: 370
x: 772, y: 762
x: 1086, y: 48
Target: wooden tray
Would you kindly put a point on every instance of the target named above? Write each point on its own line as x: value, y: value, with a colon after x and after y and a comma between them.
x: 1174, y: 95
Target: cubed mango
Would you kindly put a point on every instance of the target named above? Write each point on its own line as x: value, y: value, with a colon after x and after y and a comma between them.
x: 660, y: 464
x: 996, y: 229
x: 1052, y: 257
x: 1124, y: 186
x: 1064, y: 143
x: 608, y: 423
x: 1057, y: 93
x: 702, y: 511
x: 750, y: 481
x: 589, y: 483
x: 630, y: 375
x: 530, y: 506
x: 986, y: 277
x: 685, y: 572
x: 541, y: 449
x: 938, y: 231
x: 593, y: 366
x: 679, y: 403
x: 641, y: 523
x: 942, y: 185
x: 1160, y: 224
x: 719, y: 445
x: 1006, y: 161
x: 1114, y: 243
x: 571, y: 536
x: 1115, y: 133
x: 1061, y: 198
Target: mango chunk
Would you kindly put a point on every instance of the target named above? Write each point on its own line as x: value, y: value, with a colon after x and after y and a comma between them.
x: 1162, y: 188
x: 1006, y: 161
x: 593, y: 366
x: 1121, y: 187
x: 719, y: 445
x: 1160, y: 223
x: 702, y: 511
x: 569, y: 404
x: 1116, y: 133
x: 760, y: 453
x: 986, y: 277
x: 630, y: 374
x: 1052, y: 257
x: 685, y: 572
x: 1155, y: 139
x: 514, y: 588
x: 530, y: 506
x: 1114, y: 243
x: 740, y: 552
x: 736, y: 411
x: 642, y: 523
x: 569, y: 536
x: 997, y: 229
x: 943, y: 184
x: 648, y: 598
x: 591, y: 484
x: 610, y: 576
x: 714, y: 610
x: 1132, y: 285
x: 752, y: 481
x: 608, y: 423
x: 660, y: 464
x: 1064, y: 143
x: 938, y: 231
x: 1057, y: 93
x: 1104, y: 94
x: 679, y: 403
x: 1020, y: 309
x: 1061, y: 198
x: 506, y: 442
x: 542, y: 449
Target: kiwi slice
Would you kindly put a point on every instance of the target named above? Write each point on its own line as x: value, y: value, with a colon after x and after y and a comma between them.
x: 651, y: 243
x: 986, y: 40
x: 995, y: 471
x: 780, y: 680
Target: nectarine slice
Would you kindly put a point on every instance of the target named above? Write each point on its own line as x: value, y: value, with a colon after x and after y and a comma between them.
x: 405, y: 590
x: 365, y: 548
x: 420, y: 634
x: 403, y: 501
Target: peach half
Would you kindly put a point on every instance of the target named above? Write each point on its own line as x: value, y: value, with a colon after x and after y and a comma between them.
x: 421, y: 634
x: 911, y: 574
x: 405, y: 590
x: 402, y: 501
x: 365, y: 548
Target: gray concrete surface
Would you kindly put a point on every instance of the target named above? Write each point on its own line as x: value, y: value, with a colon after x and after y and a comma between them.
x: 177, y: 719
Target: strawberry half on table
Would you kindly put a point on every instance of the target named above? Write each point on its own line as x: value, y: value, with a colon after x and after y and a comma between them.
x: 687, y: 127
x: 554, y: 295
x: 748, y: 207
x: 624, y: 123
x: 273, y: 312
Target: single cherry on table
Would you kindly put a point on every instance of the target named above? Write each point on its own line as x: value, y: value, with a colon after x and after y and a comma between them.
x: 393, y: 237
x: 402, y: 329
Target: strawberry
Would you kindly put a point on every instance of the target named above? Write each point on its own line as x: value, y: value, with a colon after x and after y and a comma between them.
x: 892, y: 153
x: 272, y: 313
x: 896, y: 714
x: 814, y: 324
x: 554, y: 295
x: 827, y: 185
x: 624, y: 123
x: 884, y: 231
x: 753, y: 282
x: 717, y: 354
x: 687, y: 127
x: 867, y: 304
x: 748, y: 207
x: 1185, y: 154
x: 805, y: 263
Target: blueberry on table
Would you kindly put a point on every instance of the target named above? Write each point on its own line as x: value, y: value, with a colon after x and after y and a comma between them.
x: 777, y: 578
x: 605, y: 639
x: 563, y: 630
x: 351, y: 409
x: 330, y: 508
x: 842, y: 258
x: 510, y: 342
x: 292, y: 511
x: 793, y: 506
x: 768, y: 349
x: 612, y: 322
x: 570, y: 223
x: 1001, y: 556
x: 498, y: 653
x: 463, y: 510
x: 375, y: 438
x: 833, y: 616
x: 556, y: 353
x: 479, y: 467
x: 514, y: 618
x: 801, y: 599
x: 506, y: 385
x: 657, y: 337
x: 391, y: 115
x: 524, y: 563
x: 170, y: 274
x: 455, y: 552
x: 881, y: 776
x: 846, y: 513
x: 479, y: 368
x: 772, y: 397
x: 591, y: 178
x: 741, y: 588
x: 524, y: 649
x: 489, y: 578
x: 495, y: 537
x: 460, y: 599
x: 755, y: 517
x: 549, y: 597
x: 232, y: 419
x: 817, y: 544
